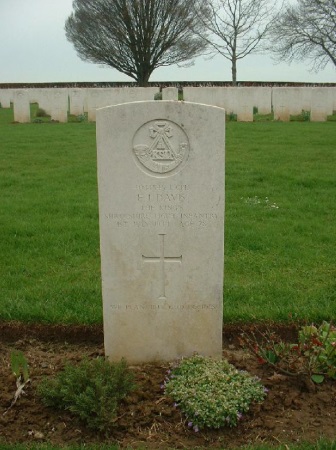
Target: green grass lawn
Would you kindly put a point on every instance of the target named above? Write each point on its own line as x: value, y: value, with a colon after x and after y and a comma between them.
x: 280, y: 230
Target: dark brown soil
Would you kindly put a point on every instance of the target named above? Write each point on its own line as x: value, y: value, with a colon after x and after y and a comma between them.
x: 294, y: 411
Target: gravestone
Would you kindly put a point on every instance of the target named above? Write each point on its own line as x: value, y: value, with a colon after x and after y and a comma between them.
x: 170, y: 93
x: 100, y: 97
x: 44, y: 98
x: 21, y: 106
x: 78, y: 101
x: 59, y: 105
x: 281, y: 98
x: 161, y: 208
x: 321, y: 104
x: 263, y: 99
x: 6, y: 95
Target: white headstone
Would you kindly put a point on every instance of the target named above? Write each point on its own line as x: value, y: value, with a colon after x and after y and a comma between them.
x: 263, y: 99
x: 244, y: 103
x: 161, y: 206
x: 215, y: 96
x: 100, y: 97
x: 281, y: 98
x: 21, y: 106
x: 44, y: 97
x: 78, y: 100
x: 59, y: 105
x: 332, y: 91
x: 170, y: 93
x: 236, y: 100
x: 5, y: 97
x: 322, y: 104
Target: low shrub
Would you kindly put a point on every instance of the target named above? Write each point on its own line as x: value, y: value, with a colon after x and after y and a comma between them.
x: 92, y: 391
x: 313, y: 356
x: 212, y: 393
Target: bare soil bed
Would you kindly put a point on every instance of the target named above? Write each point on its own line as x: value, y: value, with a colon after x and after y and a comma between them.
x: 294, y: 410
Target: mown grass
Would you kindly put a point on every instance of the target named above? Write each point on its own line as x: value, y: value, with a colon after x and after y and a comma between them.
x: 280, y: 229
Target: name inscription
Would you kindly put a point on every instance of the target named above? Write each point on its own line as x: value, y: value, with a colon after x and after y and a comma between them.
x: 161, y: 206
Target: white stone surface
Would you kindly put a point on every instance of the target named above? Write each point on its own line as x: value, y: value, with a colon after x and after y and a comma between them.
x: 44, y: 97
x: 321, y: 104
x: 263, y: 99
x: 101, y: 97
x: 281, y: 99
x: 236, y: 100
x: 6, y: 95
x: 290, y: 101
x: 170, y: 93
x: 243, y: 101
x: 78, y: 100
x: 161, y: 207
x: 59, y: 105
x: 215, y: 96
x: 21, y: 106
x: 333, y: 95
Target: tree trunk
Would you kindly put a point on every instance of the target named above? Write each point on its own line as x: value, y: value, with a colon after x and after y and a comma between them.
x: 143, y: 78
x: 234, y: 70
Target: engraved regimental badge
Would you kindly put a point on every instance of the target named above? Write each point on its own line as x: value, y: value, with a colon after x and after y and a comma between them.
x: 160, y: 147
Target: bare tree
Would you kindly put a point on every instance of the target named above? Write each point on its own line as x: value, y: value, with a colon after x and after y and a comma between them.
x: 236, y: 28
x: 135, y: 36
x: 306, y: 30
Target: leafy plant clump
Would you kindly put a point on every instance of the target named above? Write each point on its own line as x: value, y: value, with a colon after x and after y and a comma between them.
x: 314, y: 355
x: 92, y: 391
x: 212, y: 393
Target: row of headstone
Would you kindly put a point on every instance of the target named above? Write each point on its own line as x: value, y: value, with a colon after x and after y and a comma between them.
x: 58, y: 102
x: 283, y: 102
x: 242, y: 101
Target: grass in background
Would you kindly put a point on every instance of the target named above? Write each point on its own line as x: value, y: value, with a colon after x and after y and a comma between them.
x: 280, y: 229
x: 49, y: 217
x: 280, y: 221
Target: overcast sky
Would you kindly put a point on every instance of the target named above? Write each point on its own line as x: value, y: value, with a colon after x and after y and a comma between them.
x: 33, y: 48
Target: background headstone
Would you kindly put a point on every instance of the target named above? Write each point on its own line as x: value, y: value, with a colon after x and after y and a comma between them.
x: 21, y: 106
x: 59, y: 105
x: 161, y: 206
x: 100, y: 97
x: 78, y: 101
x: 6, y: 96
x: 170, y: 93
x: 321, y: 104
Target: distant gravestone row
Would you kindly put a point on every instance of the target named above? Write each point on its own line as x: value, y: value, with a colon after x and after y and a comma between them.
x: 240, y: 101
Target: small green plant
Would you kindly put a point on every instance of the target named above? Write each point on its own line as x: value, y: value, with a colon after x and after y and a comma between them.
x: 314, y: 355
x: 158, y: 96
x: 19, y: 366
x: 303, y: 117
x: 81, y: 117
x: 231, y: 117
x: 332, y: 117
x: 92, y: 391
x: 212, y: 393
x: 255, y: 110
